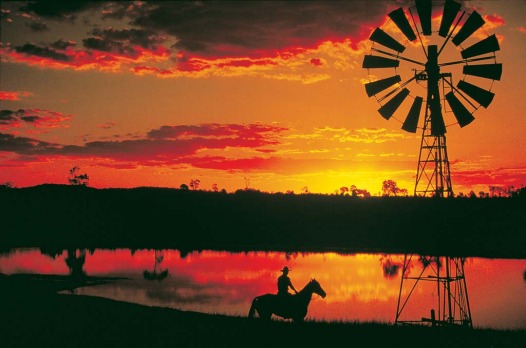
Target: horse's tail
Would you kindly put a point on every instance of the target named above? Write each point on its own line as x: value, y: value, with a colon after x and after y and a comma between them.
x: 252, y: 310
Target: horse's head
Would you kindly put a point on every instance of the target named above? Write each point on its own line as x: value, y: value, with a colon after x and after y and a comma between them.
x: 316, y: 288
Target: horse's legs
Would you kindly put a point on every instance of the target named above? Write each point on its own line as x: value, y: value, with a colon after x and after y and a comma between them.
x: 265, y: 315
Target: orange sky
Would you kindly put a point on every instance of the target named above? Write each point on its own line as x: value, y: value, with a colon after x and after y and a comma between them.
x: 268, y: 94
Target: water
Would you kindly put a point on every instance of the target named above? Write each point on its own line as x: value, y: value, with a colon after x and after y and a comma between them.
x: 359, y: 287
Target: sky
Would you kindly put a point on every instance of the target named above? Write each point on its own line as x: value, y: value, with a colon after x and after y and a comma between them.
x: 265, y: 95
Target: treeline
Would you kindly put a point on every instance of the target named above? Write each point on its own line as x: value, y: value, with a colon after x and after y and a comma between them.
x: 78, y: 216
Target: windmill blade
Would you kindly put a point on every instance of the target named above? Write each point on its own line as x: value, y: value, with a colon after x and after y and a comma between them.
x: 399, y: 18
x: 451, y: 9
x: 386, y: 40
x: 376, y: 87
x: 489, y: 44
x: 463, y: 116
x: 480, y: 95
x: 375, y: 62
x: 487, y: 71
x: 389, y: 108
x: 423, y: 7
x: 411, y: 121
x: 473, y: 23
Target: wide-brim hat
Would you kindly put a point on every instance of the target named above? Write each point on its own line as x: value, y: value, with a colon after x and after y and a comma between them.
x: 285, y: 269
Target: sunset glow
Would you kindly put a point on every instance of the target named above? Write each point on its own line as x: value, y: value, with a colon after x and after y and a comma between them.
x: 266, y: 95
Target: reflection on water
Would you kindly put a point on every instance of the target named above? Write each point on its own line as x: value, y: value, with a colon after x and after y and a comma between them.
x: 359, y: 287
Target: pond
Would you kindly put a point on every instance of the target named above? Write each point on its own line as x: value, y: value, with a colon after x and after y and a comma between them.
x: 360, y: 287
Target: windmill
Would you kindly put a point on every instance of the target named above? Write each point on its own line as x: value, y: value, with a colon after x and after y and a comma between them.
x: 425, y: 48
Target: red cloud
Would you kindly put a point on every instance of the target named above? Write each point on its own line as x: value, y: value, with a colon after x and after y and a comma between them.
x: 495, y: 19
x: 38, y: 118
x: 486, y: 177
x: 4, y: 95
x: 167, y: 145
x: 77, y: 59
x: 316, y: 61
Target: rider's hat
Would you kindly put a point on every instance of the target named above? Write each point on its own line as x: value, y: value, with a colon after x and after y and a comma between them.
x: 285, y: 269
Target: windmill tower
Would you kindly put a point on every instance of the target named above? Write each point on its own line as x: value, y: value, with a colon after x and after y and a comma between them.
x: 429, y: 47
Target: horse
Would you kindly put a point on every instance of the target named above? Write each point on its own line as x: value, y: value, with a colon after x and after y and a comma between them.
x: 286, y: 306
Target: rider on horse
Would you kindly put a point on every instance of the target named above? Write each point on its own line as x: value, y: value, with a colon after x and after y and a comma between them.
x: 284, y: 283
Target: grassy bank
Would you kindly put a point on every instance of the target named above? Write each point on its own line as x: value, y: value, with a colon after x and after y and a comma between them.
x: 34, y: 315
x: 55, y: 216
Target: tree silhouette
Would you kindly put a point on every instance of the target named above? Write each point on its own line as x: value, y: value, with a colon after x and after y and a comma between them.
x: 390, y: 188
x: 77, y: 179
x: 194, y: 184
x: 183, y: 187
x: 356, y: 192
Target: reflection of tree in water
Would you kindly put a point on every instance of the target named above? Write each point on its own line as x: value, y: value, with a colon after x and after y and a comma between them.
x: 75, y: 261
x: 390, y: 267
x: 427, y: 261
x: 157, y: 274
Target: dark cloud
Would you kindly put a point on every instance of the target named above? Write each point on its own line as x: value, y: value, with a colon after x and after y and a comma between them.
x: 7, y: 117
x: 123, y: 41
x: 25, y: 146
x: 37, y: 26
x: 121, y: 9
x: 58, y: 9
x: 31, y: 119
x: 62, y: 45
x: 37, y: 117
x: 250, y: 131
x: 258, y: 27
x: 44, y: 52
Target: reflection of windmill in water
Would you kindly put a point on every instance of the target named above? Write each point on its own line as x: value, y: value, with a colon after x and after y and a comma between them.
x: 433, y: 76
x: 157, y: 273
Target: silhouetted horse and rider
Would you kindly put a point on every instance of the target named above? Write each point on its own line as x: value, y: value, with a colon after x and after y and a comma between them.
x: 284, y: 304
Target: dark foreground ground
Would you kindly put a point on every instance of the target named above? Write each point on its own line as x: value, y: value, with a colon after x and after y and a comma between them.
x: 60, y: 217
x: 32, y: 314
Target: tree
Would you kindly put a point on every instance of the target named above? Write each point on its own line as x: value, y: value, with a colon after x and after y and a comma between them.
x: 183, y: 187
x: 77, y: 179
x: 215, y: 188
x: 356, y: 192
x: 194, y: 184
x: 344, y: 190
x: 390, y: 188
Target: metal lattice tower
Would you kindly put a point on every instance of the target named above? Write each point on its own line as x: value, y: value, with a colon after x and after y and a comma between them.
x: 433, y: 175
